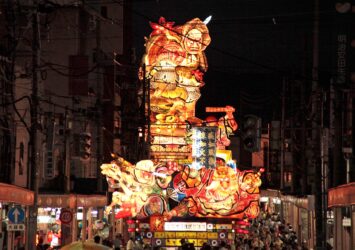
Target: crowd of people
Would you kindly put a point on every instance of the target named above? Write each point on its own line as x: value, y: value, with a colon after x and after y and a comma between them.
x: 269, y: 232
x: 266, y: 232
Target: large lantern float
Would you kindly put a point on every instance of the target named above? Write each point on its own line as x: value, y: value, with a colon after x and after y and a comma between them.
x: 190, y: 174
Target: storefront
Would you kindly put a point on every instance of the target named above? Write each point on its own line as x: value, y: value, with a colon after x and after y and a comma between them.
x: 14, y: 203
x: 270, y: 201
x: 297, y: 211
x: 64, y: 218
x: 341, y: 201
x: 300, y: 213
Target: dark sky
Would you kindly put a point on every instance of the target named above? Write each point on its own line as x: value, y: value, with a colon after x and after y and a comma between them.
x: 254, y: 43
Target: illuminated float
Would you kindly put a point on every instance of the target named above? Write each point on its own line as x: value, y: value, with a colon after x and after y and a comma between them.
x: 190, y: 173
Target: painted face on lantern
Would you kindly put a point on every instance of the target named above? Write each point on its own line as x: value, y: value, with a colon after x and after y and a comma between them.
x: 193, y: 41
x: 223, y: 174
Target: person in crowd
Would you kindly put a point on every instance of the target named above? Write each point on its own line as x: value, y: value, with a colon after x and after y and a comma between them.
x: 118, y: 242
x: 130, y: 244
x: 245, y: 245
x: 269, y: 231
x: 184, y: 244
x: 206, y: 246
x: 138, y: 245
x: 223, y: 245
x: 40, y: 244
x: 97, y: 239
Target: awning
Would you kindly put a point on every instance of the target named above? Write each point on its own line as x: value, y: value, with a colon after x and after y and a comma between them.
x: 16, y: 194
x: 270, y: 193
x: 71, y: 200
x: 342, y: 196
x: 306, y: 202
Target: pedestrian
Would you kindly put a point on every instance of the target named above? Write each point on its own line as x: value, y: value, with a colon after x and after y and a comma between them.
x: 130, y: 244
x: 118, y: 242
x: 184, y: 244
x: 138, y: 245
x: 206, y: 246
x: 245, y: 245
x: 97, y: 239
x: 40, y: 244
x: 191, y: 246
x: 223, y: 246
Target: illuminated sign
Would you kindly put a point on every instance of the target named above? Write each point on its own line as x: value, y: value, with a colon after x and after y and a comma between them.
x: 204, y: 147
x: 199, y: 184
x: 185, y: 226
x: 174, y: 62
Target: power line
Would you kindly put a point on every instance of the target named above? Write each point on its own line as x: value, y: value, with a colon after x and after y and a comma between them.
x: 227, y: 53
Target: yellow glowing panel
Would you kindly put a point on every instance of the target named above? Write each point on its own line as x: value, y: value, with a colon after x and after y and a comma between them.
x: 194, y: 241
x: 201, y: 241
x: 170, y: 235
x: 224, y: 154
x: 190, y: 235
x: 212, y: 235
x: 180, y: 235
x: 172, y: 242
x: 201, y: 235
x: 159, y: 234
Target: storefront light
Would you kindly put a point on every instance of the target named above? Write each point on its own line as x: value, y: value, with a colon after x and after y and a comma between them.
x: 94, y: 213
x: 44, y: 219
x: 276, y: 201
x: 79, y: 216
x: 264, y: 199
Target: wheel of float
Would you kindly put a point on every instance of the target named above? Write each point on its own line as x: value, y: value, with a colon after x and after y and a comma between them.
x: 222, y: 235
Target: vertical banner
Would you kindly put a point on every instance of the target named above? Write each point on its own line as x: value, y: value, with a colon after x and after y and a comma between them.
x: 342, y: 42
x: 204, y: 147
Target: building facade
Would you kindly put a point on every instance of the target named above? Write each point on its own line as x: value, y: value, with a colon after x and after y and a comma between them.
x: 61, y: 102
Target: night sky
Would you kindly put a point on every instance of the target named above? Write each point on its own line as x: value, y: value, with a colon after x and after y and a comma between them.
x: 254, y: 43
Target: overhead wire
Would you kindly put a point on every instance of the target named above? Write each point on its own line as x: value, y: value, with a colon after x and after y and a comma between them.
x: 221, y: 51
x: 227, y: 53
x: 243, y: 59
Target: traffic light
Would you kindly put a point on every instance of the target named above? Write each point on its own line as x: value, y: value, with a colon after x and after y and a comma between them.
x: 251, y: 133
x: 85, y: 145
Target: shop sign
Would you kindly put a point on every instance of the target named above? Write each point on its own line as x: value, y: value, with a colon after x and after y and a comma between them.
x: 15, y: 227
x: 346, y: 222
x: 185, y: 226
x: 66, y: 216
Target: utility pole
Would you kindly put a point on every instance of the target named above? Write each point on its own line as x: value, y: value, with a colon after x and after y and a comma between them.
x: 317, y: 141
x: 282, y: 136
x: 67, y: 133
x: 99, y: 131
x: 34, y: 163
